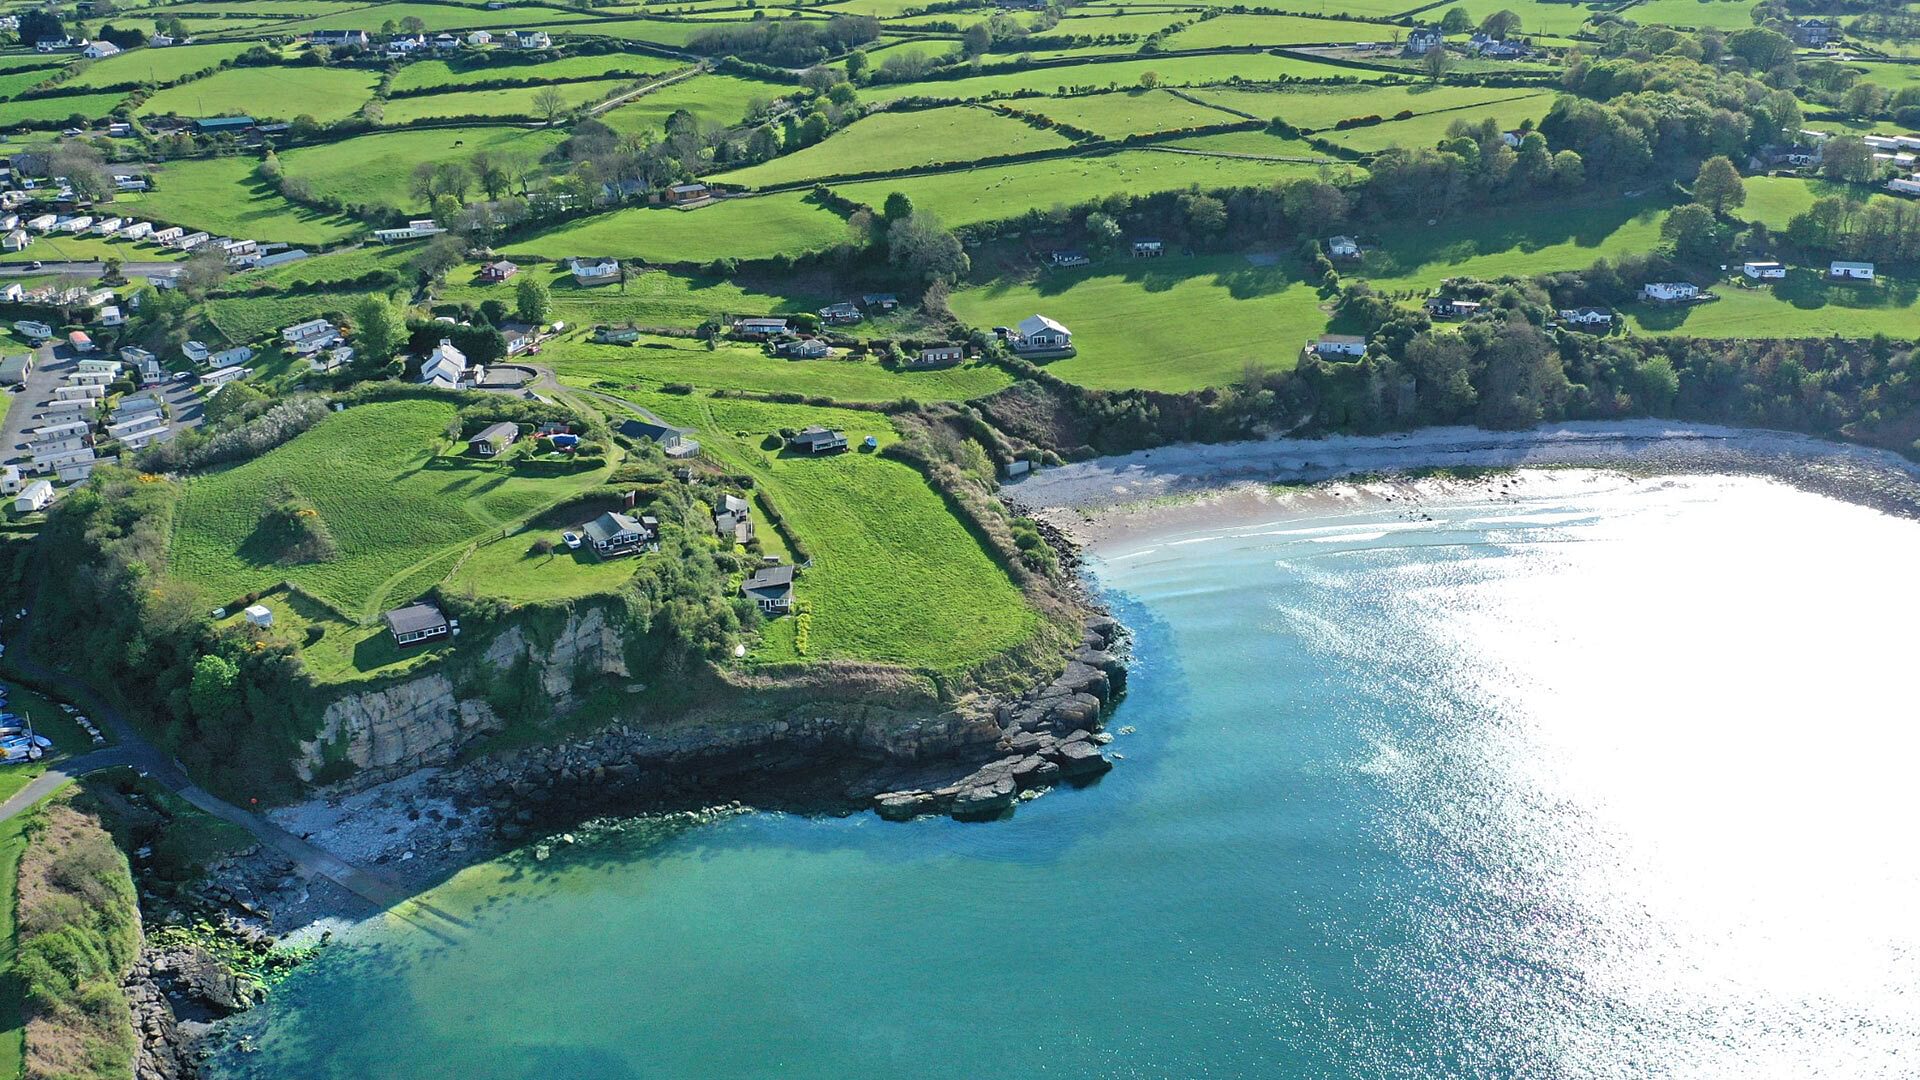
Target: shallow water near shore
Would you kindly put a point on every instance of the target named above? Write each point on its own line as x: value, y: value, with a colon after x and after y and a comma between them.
x: 1608, y: 782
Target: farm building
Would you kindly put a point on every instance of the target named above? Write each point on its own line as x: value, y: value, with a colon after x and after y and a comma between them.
x: 771, y: 587
x: 841, y: 314
x: 494, y: 438
x: 1841, y: 270
x: 686, y: 193
x: 1669, y: 292
x: 614, y: 534
x: 801, y: 348
x: 1423, y: 41
x: 759, y: 328
x: 1341, y: 345
x: 885, y: 301
x: 818, y: 440
x: 416, y: 623
x: 1037, y: 332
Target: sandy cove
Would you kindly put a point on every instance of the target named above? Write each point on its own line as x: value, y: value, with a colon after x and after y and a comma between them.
x: 1102, y: 499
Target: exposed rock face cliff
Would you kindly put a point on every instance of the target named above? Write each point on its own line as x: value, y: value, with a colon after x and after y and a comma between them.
x: 426, y: 721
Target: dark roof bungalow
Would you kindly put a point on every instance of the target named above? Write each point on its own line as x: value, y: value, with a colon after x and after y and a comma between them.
x: 620, y: 534
x: 417, y: 622
x: 771, y: 587
x: 818, y: 440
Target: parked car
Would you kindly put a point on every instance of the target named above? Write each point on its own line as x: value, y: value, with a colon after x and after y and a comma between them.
x: 572, y: 540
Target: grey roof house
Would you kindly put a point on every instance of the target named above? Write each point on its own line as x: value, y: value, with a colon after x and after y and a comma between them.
x: 818, y: 440
x: 620, y: 534
x: 771, y: 587
x: 417, y: 622
x: 733, y: 519
x: 494, y: 438
x: 672, y: 440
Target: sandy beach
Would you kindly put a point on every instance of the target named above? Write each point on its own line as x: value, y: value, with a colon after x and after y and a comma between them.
x: 1100, y: 500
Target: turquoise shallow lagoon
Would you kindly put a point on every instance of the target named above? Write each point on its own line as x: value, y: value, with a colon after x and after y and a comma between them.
x: 1608, y: 780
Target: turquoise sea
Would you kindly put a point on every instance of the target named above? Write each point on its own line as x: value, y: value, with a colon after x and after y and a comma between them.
x: 1612, y: 780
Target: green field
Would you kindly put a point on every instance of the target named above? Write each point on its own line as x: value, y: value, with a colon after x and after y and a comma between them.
x: 510, y: 570
x: 1172, y: 324
x: 1895, y: 77
x: 1774, y: 201
x: 241, y: 319
x: 1430, y: 128
x: 995, y: 193
x: 436, y: 74
x: 651, y: 298
x: 1518, y: 242
x: 1256, y: 143
x: 13, y: 1039
x: 1320, y: 108
x: 55, y: 109
x: 1538, y: 17
x: 344, y: 265
x: 656, y: 361
x: 63, y: 248
x: 436, y: 17
x: 282, y: 93
x: 752, y: 228
x: 1097, y: 23
x: 1171, y: 71
x: 1701, y: 14
x: 17, y: 80
x: 391, y: 499
x: 1802, y: 306
x: 1233, y: 30
x: 222, y: 195
x: 716, y: 99
x: 156, y: 66
x: 375, y: 169
x: 514, y: 101
x: 886, y: 551
x: 902, y: 140
x: 655, y: 31
x: 1129, y: 112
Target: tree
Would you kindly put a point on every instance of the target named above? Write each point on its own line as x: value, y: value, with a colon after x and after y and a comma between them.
x: 897, y: 207
x: 977, y: 39
x: 413, y: 24
x: 533, y: 303
x: 205, y: 269
x: 452, y: 178
x: 1762, y: 49
x: 84, y: 168
x: 1718, y: 186
x: 814, y: 127
x: 1103, y: 233
x: 441, y: 254
x: 1500, y: 25
x: 1206, y: 215
x: 210, y: 694
x: 549, y: 104
x: 856, y: 64
x: 421, y: 183
x: 1456, y: 21
x: 919, y: 244
x: 491, y: 173
x: 378, y: 329
x: 1437, y: 61
x: 1149, y: 79
x: 1845, y: 157
x: 1864, y: 100
x: 763, y: 143
x: 1694, y: 230
x: 39, y: 25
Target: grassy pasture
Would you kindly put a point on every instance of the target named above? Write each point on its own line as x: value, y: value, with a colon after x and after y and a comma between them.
x: 655, y: 31
x: 509, y: 569
x: 1319, y: 108
x: 242, y: 319
x: 437, y: 17
x: 1173, y: 324
x: 222, y: 195
x: 1540, y: 17
x: 1895, y: 77
x: 343, y: 265
x: 902, y: 140
x: 283, y: 93
x: 1257, y: 143
x: 886, y: 551
x: 68, y: 248
x: 374, y: 169
x: 513, y: 101
x: 1519, y: 241
x: 19, y: 80
x: 1172, y: 71
x: 1233, y: 30
x: 1774, y: 201
x: 1128, y: 112
x: 436, y: 74
x: 1429, y: 128
x: 657, y: 361
x: 1700, y: 14
x: 1803, y: 305
x: 54, y: 109
x: 382, y: 486
x: 1098, y: 23
x: 652, y: 298
x: 718, y: 99
x: 972, y: 196
x: 266, y: 9
x: 156, y: 66
x: 753, y: 228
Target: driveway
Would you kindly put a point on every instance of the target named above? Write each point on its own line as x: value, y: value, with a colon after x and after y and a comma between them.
x: 89, y: 269
x: 51, y: 364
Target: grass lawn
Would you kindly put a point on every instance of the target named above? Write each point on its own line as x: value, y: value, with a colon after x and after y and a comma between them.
x: 1319, y: 108
x: 1231, y: 30
x: 655, y: 361
x: 1895, y: 77
x: 1128, y: 112
x: 1700, y: 14
x: 241, y: 319
x: 1776, y: 200
x: 436, y: 74
x: 1098, y: 23
x: 508, y: 568
x: 1539, y: 17
x: 1134, y: 324
x: 514, y: 101
x: 333, y: 649
x: 901, y: 140
x: 281, y: 93
x: 69, y: 248
x: 655, y: 31
x: 1429, y: 129
x: 1804, y: 305
x: 651, y: 298
x: 17, y: 80
x: 1173, y: 71
x: 719, y: 99
x: 13, y: 1029
x: 436, y: 16
x: 1519, y: 241
x: 47, y: 719
x: 394, y: 503
x: 1257, y: 143
x: 345, y: 265
x: 375, y: 169
x: 53, y: 109
x: 895, y: 576
x: 998, y: 192
x: 156, y: 66
x: 223, y: 196
x: 752, y: 228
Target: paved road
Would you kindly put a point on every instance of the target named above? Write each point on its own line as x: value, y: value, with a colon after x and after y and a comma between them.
x: 50, y: 366
x: 134, y: 750
x: 91, y: 269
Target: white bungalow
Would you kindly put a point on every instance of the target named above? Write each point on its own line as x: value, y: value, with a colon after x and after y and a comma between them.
x: 1037, y: 332
x: 1763, y: 270
x: 445, y: 366
x: 1669, y: 292
x: 1340, y: 345
x: 1841, y: 270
